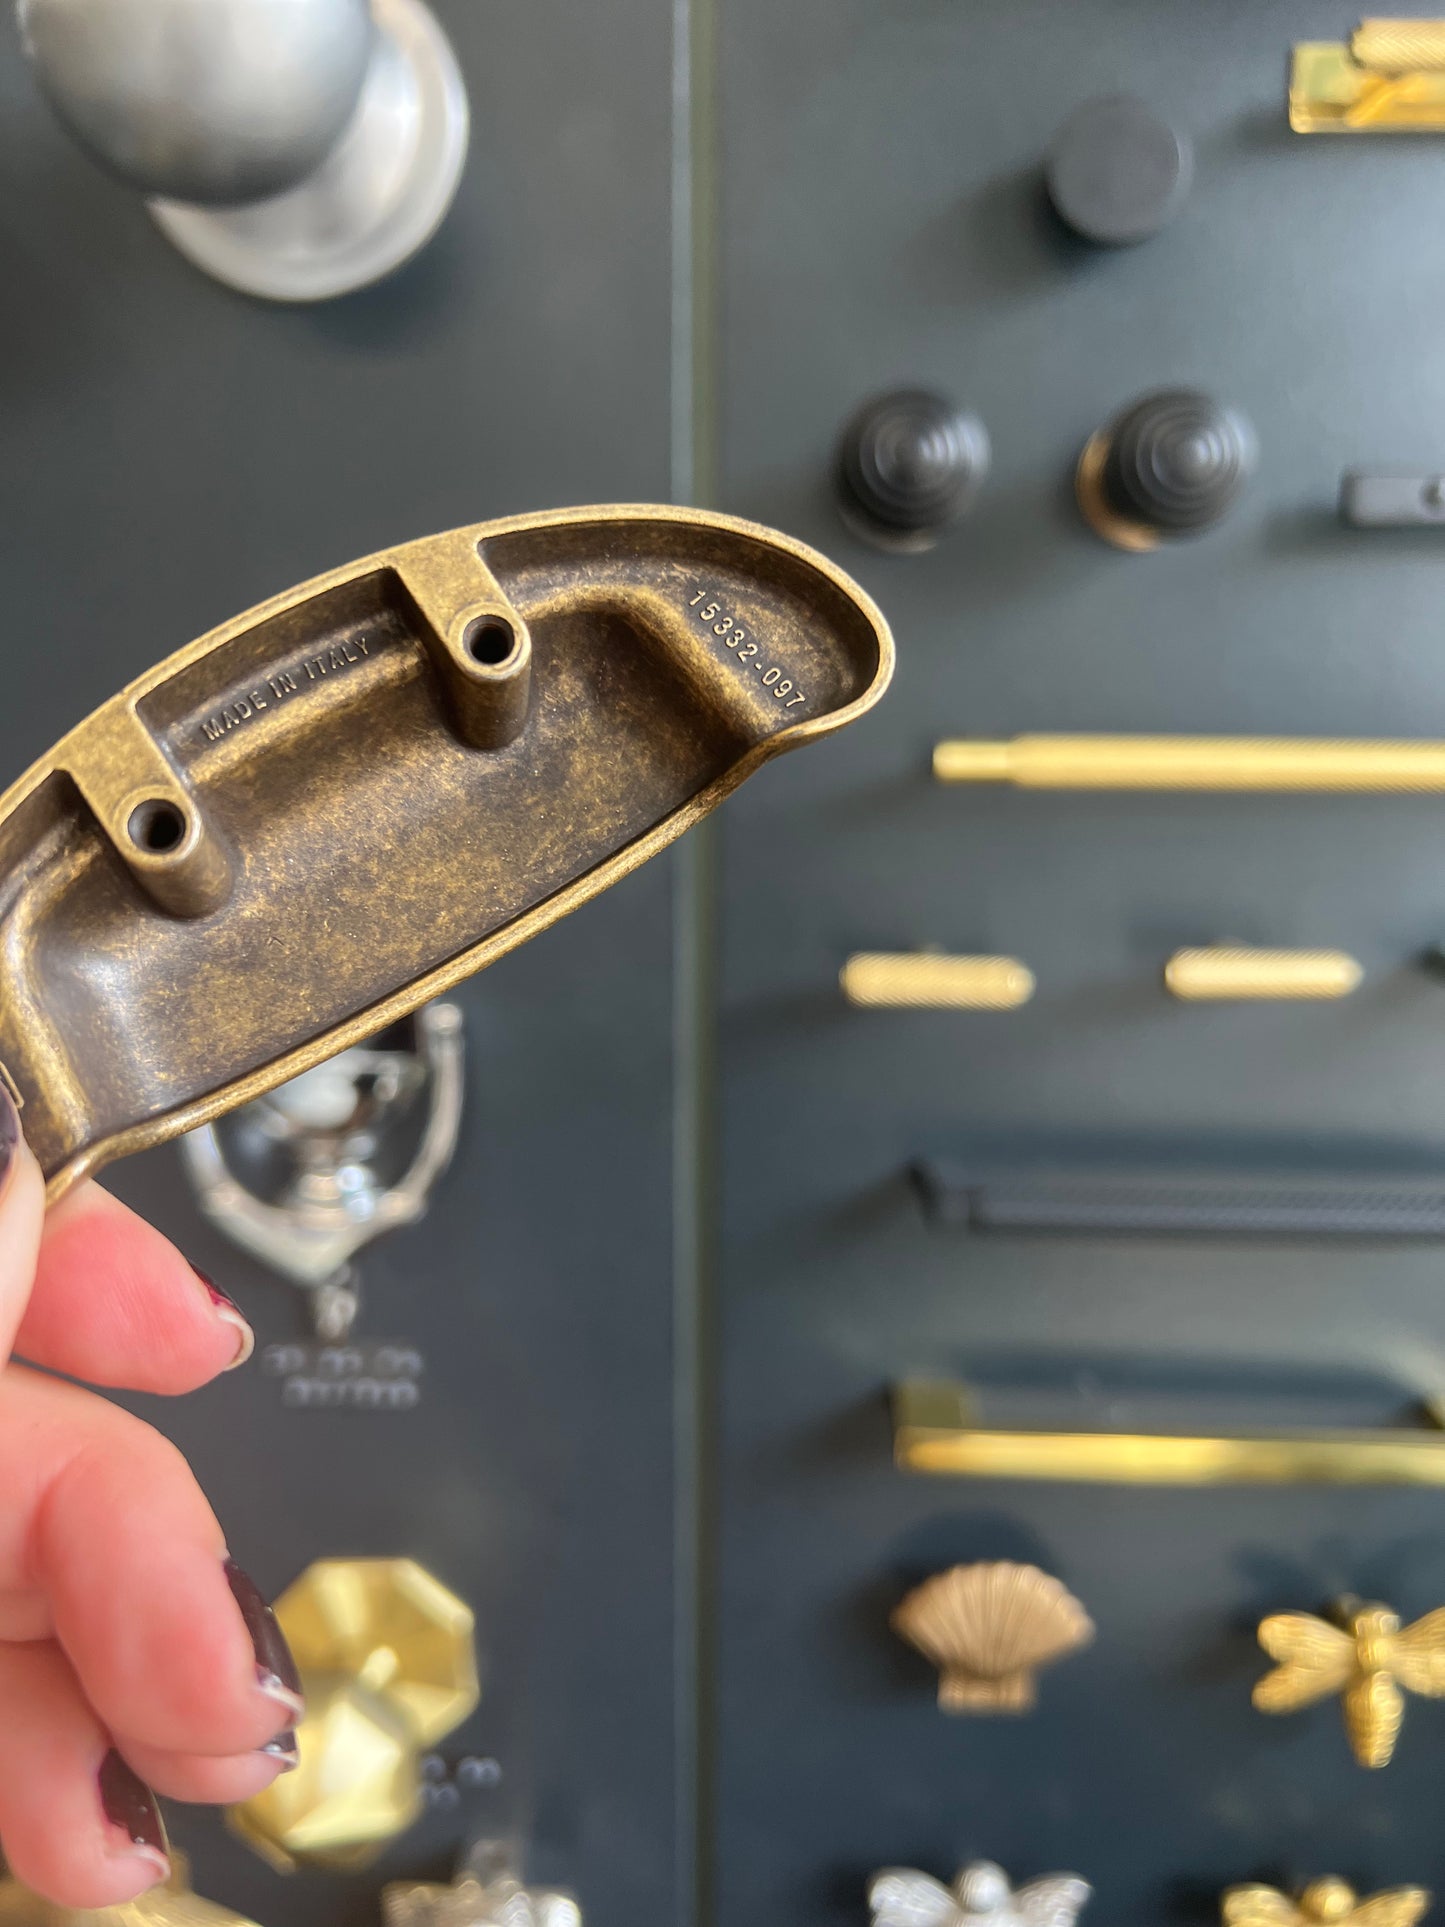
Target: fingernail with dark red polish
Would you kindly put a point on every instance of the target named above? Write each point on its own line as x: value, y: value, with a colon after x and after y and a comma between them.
x: 276, y: 1672
x: 9, y: 1128
x: 229, y: 1313
x: 284, y: 1749
x: 130, y: 1805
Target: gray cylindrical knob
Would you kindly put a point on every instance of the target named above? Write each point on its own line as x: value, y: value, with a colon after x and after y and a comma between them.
x: 1117, y: 171
x: 215, y: 102
x: 1177, y: 462
x: 909, y: 463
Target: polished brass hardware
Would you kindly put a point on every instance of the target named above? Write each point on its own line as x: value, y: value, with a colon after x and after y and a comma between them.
x: 1323, y: 1903
x: 318, y: 816
x: 388, y: 1665
x: 1366, y: 1656
x: 1388, y: 78
x: 1223, y: 972
x: 1194, y: 763
x: 988, y: 1628
x: 171, y: 1904
x: 979, y: 1896
x: 936, y: 1430
x: 928, y: 980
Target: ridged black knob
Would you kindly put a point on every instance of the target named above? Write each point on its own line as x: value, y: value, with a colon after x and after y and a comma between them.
x: 1117, y: 171
x: 910, y: 463
x: 1177, y: 461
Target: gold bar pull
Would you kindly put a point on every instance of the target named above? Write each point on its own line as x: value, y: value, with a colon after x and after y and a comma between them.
x: 1048, y: 762
x: 928, y: 980
x: 1226, y: 972
x: 936, y: 1430
x: 1388, y: 78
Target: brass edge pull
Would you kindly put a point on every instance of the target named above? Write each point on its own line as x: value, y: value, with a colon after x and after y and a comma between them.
x: 929, y: 980
x: 320, y: 815
x: 1056, y: 762
x: 1219, y: 973
x: 1387, y: 78
x: 936, y: 1430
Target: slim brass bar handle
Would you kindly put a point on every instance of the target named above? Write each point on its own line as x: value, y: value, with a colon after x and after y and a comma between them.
x: 1225, y: 973
x: 922, y: 980
x: 936, y: 1430
x: 1048, y: 762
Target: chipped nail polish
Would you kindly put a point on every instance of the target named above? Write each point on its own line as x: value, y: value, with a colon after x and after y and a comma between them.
x: 284, y: 1749
x: 130, y: 1805
x: 276, y: 1672
x: 9, y: 1130
x: 229, y: 1313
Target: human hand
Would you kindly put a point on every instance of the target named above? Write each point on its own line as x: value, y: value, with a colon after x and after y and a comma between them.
x: 133, y: 1653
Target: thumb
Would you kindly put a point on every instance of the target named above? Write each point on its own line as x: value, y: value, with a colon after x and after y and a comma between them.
x: 22, y: 1212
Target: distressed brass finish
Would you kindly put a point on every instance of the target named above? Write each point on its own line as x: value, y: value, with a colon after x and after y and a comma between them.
x: 1194, y: 763
x: 172, y: 1904
x: 323, y: 813
x: 1323, y: 1903
x: 1223, y: 972
x: 388, y: 1665
x: 988, y: 1628
x: 1388, y: 78
x: 936, y: 1430
x: 1366, y: 1657
x: 925, y: 980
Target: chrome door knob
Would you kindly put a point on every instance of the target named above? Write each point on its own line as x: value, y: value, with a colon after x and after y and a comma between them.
x: 216, y: 102
x: 294, y: 149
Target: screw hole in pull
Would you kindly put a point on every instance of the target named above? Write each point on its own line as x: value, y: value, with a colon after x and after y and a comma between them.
x: 489, y: 640
x: 157, y: 826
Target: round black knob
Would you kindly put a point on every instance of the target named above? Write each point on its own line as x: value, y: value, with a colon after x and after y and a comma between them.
x: 1171, y: 464
x: 1117, y: 171
x: 909, y: 464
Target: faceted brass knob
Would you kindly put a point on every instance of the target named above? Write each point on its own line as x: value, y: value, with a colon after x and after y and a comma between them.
x: 1367, y: 1657
x: 388, y: 1665
x: 172, y: 1904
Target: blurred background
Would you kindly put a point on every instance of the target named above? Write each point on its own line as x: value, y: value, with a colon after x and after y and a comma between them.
x: 667, y: 250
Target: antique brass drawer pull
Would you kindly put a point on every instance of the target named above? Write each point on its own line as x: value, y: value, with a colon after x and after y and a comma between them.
x: 1047, y: 762
x: 323, y: 813
x: 936, y: 1429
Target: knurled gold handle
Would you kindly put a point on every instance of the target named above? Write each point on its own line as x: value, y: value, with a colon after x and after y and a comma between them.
x: 1229, y: 972
x: 1399, y: 46
x: 925, y: 980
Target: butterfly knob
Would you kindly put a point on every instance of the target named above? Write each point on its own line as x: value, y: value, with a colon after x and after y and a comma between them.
x: 1329, y: 1902
x: 1363, y: 1655
x: 979, y: 1896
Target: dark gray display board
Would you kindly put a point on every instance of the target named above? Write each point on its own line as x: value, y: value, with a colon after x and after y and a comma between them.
x: 672, y: 1246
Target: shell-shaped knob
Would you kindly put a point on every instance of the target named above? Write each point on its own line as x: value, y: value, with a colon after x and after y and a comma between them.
x: 909, y: 464
x: 216, y: 102
x: 1172, y: 464
x: 988, y: 1628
